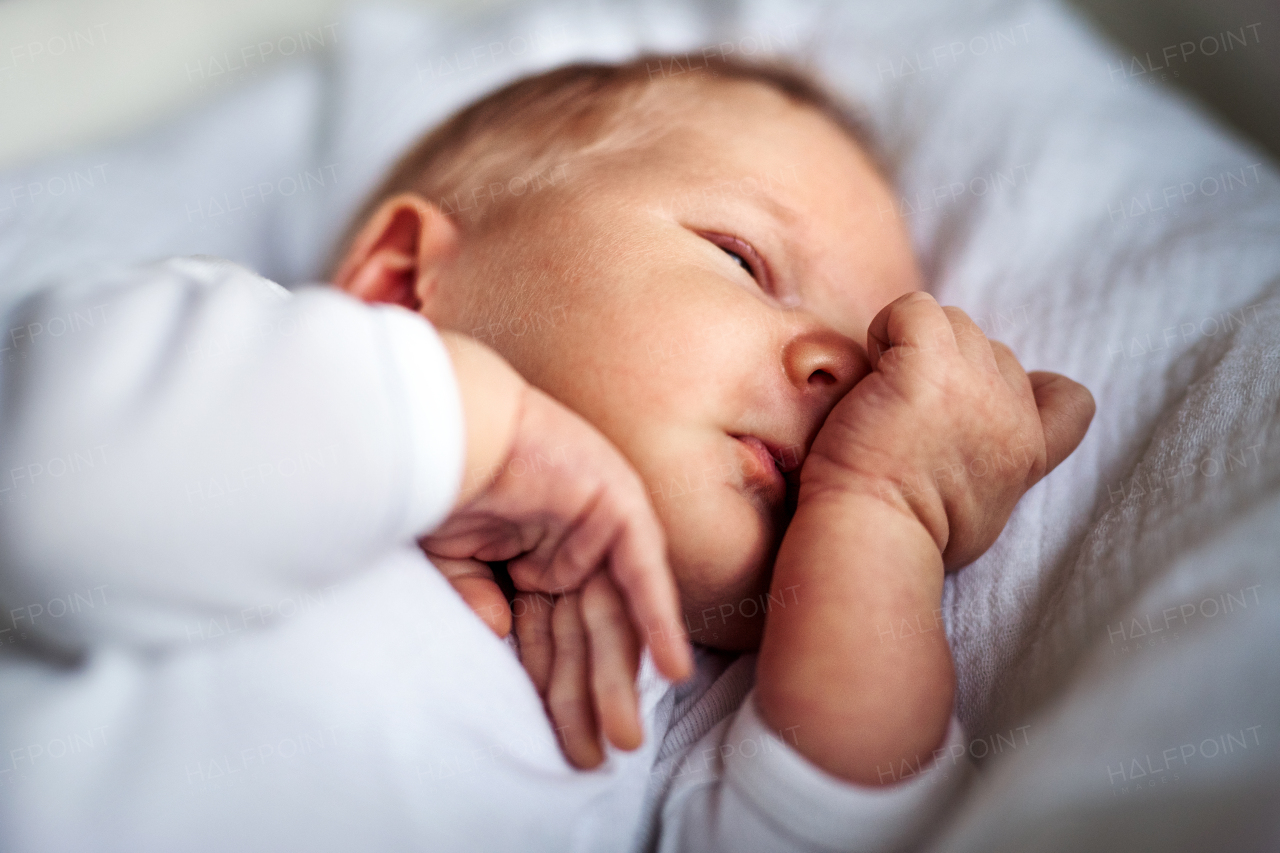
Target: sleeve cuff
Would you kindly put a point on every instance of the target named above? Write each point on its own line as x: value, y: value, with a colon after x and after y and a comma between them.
x: 829, y: 812
x: 433, y: 403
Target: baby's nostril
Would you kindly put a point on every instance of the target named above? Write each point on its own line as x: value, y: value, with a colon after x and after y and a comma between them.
x: 823, y: 377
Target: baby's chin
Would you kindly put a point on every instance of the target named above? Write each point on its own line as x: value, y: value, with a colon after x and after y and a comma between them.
x: 727, y: 612
x: 733, y: 633
x: 722, y: 547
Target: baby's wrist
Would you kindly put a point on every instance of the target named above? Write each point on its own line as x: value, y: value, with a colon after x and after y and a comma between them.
x: 492, y: 395
x: 908, y: 506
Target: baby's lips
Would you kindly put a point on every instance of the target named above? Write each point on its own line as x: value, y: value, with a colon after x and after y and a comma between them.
x: 762, y: 473
x: 789, y: 457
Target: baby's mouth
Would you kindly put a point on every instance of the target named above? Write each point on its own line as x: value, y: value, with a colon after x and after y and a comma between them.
x: 772, y: 472
x: 760, y: 471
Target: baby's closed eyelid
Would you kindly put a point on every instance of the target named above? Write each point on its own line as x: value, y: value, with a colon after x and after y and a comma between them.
x: 758, y: 269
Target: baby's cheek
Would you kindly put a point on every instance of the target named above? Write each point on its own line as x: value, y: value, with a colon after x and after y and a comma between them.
x: 677, y: 487
x: 721, y: 552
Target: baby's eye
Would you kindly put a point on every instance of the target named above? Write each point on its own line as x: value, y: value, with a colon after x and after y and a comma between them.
x: 742, y: 262
x: 743, y: 253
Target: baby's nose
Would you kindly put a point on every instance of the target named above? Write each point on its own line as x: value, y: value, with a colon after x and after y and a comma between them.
x: 822, y: 360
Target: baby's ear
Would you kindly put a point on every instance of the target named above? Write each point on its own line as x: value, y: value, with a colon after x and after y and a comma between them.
x: 398, y: 253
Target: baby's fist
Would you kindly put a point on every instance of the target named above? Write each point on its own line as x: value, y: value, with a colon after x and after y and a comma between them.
x: 947, y: 426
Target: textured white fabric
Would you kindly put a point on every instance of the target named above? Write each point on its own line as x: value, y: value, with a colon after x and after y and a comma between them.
x: 375, y: 713
x: 156, y: 419
x: 725, y: 781
x: 1103, y: 227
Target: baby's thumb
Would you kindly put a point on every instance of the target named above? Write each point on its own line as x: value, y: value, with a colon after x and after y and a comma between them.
x: 1066, y: 408
x: 474, y: 582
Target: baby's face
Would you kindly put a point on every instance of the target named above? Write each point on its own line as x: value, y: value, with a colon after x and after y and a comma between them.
x: 615, y: 292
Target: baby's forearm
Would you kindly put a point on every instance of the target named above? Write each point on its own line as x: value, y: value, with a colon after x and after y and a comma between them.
x: 859, y: 702
x: 491, y: 393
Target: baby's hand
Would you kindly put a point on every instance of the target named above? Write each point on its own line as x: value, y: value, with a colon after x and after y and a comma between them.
x: 547, y: 492
x: 947, y: 426
x: 579, y: 650
x: 582, y: 655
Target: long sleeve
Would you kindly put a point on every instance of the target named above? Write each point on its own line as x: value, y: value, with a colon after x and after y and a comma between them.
x: 263, y: 659
x: 731, y: 783
x: 383, y: 717
x: 188, y: 442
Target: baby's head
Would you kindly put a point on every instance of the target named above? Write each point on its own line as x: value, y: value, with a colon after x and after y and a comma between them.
x: 688, y: 260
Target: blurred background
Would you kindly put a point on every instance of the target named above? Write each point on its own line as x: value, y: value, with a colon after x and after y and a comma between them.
x: 78, y: 72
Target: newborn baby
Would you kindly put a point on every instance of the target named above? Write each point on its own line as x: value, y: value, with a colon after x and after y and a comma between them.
x: 698, y: 264
x: 710, y: 402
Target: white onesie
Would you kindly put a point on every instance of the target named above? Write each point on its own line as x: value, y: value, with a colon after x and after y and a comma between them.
x: 217, y: 632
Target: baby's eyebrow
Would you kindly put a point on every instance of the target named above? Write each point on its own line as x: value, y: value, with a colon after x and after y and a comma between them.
x: 780, y: 260
x: 785, y: 215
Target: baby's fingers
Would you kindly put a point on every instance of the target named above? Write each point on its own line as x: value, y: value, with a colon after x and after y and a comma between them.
x: 473, y: 580
x: 615, y: 656
x: 638, y: 565
x: 619, y: 531
x: 1066, y: 408
x: 970, y: 339
x: 910, y: 324
x: 569, y: 697
x: 1012, y: 371
x: 532, y: 614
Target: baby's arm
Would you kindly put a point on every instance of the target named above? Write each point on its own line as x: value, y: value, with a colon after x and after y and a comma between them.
x: 195, y: 443
x: 859, y: 706
x: 847, y: 741
x: 196, y: 446
x: 916, y: 470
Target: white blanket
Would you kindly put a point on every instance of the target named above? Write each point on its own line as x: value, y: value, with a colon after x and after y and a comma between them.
x: 1113, y: 647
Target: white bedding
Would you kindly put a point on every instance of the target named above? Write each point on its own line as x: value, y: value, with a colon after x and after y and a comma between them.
x: 1103, y: 228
